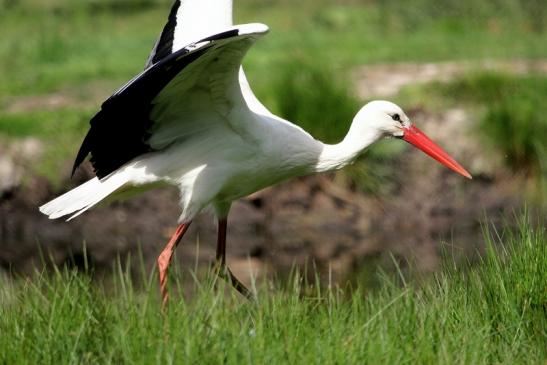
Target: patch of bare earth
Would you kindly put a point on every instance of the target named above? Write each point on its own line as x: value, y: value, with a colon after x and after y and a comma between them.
x: 387, y: 80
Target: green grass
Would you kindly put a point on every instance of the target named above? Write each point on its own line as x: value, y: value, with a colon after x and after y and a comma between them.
x: 515, y: 120
x: 491, y: 312
x: 51, y: 45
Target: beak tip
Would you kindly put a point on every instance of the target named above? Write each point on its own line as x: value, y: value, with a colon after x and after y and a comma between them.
x: 418, y: 139
x: 468, y: 175
x: 460, y: 170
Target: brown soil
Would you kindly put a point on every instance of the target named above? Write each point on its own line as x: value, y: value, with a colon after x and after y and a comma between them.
x: 382, y: 81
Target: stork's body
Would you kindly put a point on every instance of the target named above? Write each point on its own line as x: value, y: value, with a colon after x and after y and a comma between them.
x: 190, y: 119
x: 224, y: 165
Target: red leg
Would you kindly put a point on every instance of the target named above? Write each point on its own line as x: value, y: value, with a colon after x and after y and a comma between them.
x: 223, y: 270
x: 165, y: 257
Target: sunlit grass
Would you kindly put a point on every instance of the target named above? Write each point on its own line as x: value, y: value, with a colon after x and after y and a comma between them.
x: 492, y: 312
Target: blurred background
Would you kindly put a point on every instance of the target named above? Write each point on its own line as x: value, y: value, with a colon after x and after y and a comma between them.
x: 471, y: 73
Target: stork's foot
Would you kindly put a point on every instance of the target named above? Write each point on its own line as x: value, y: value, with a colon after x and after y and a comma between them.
x: 163, y: 266
x: 225, y: 273
x: 221, y: 268
x: 164, y: 260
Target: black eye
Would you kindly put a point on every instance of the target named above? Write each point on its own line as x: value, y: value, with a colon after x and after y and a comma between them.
x: 396, y: 117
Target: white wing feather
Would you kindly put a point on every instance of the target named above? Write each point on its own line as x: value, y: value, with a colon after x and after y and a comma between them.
x: 197, y: 19
x: 83, y: 197
x: 206, y: 92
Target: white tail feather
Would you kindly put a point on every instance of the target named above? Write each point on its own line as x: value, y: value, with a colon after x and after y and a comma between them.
x: 85, y: 196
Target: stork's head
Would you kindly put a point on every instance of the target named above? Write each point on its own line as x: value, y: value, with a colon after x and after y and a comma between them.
x: 385, y: 119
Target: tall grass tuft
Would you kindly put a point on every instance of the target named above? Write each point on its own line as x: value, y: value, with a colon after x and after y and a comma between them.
x: 312, y: 95
x: 515, y: 121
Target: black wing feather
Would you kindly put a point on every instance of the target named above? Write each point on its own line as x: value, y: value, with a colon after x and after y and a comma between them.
x: 120, y: 130
x: 164, y: 45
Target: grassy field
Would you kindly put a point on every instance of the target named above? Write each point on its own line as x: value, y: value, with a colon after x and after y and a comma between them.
x: 491, y: 313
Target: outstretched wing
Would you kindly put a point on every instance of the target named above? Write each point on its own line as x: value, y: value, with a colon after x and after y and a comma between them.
x: 190, y: 21
x: 185, y: 91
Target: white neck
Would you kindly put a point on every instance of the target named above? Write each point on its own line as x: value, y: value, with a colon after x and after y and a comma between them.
x: 334, y: 157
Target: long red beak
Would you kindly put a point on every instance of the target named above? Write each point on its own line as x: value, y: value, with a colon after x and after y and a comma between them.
x: 417, y: 138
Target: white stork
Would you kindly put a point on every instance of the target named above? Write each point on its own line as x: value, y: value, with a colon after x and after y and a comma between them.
x: 190, y: 119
